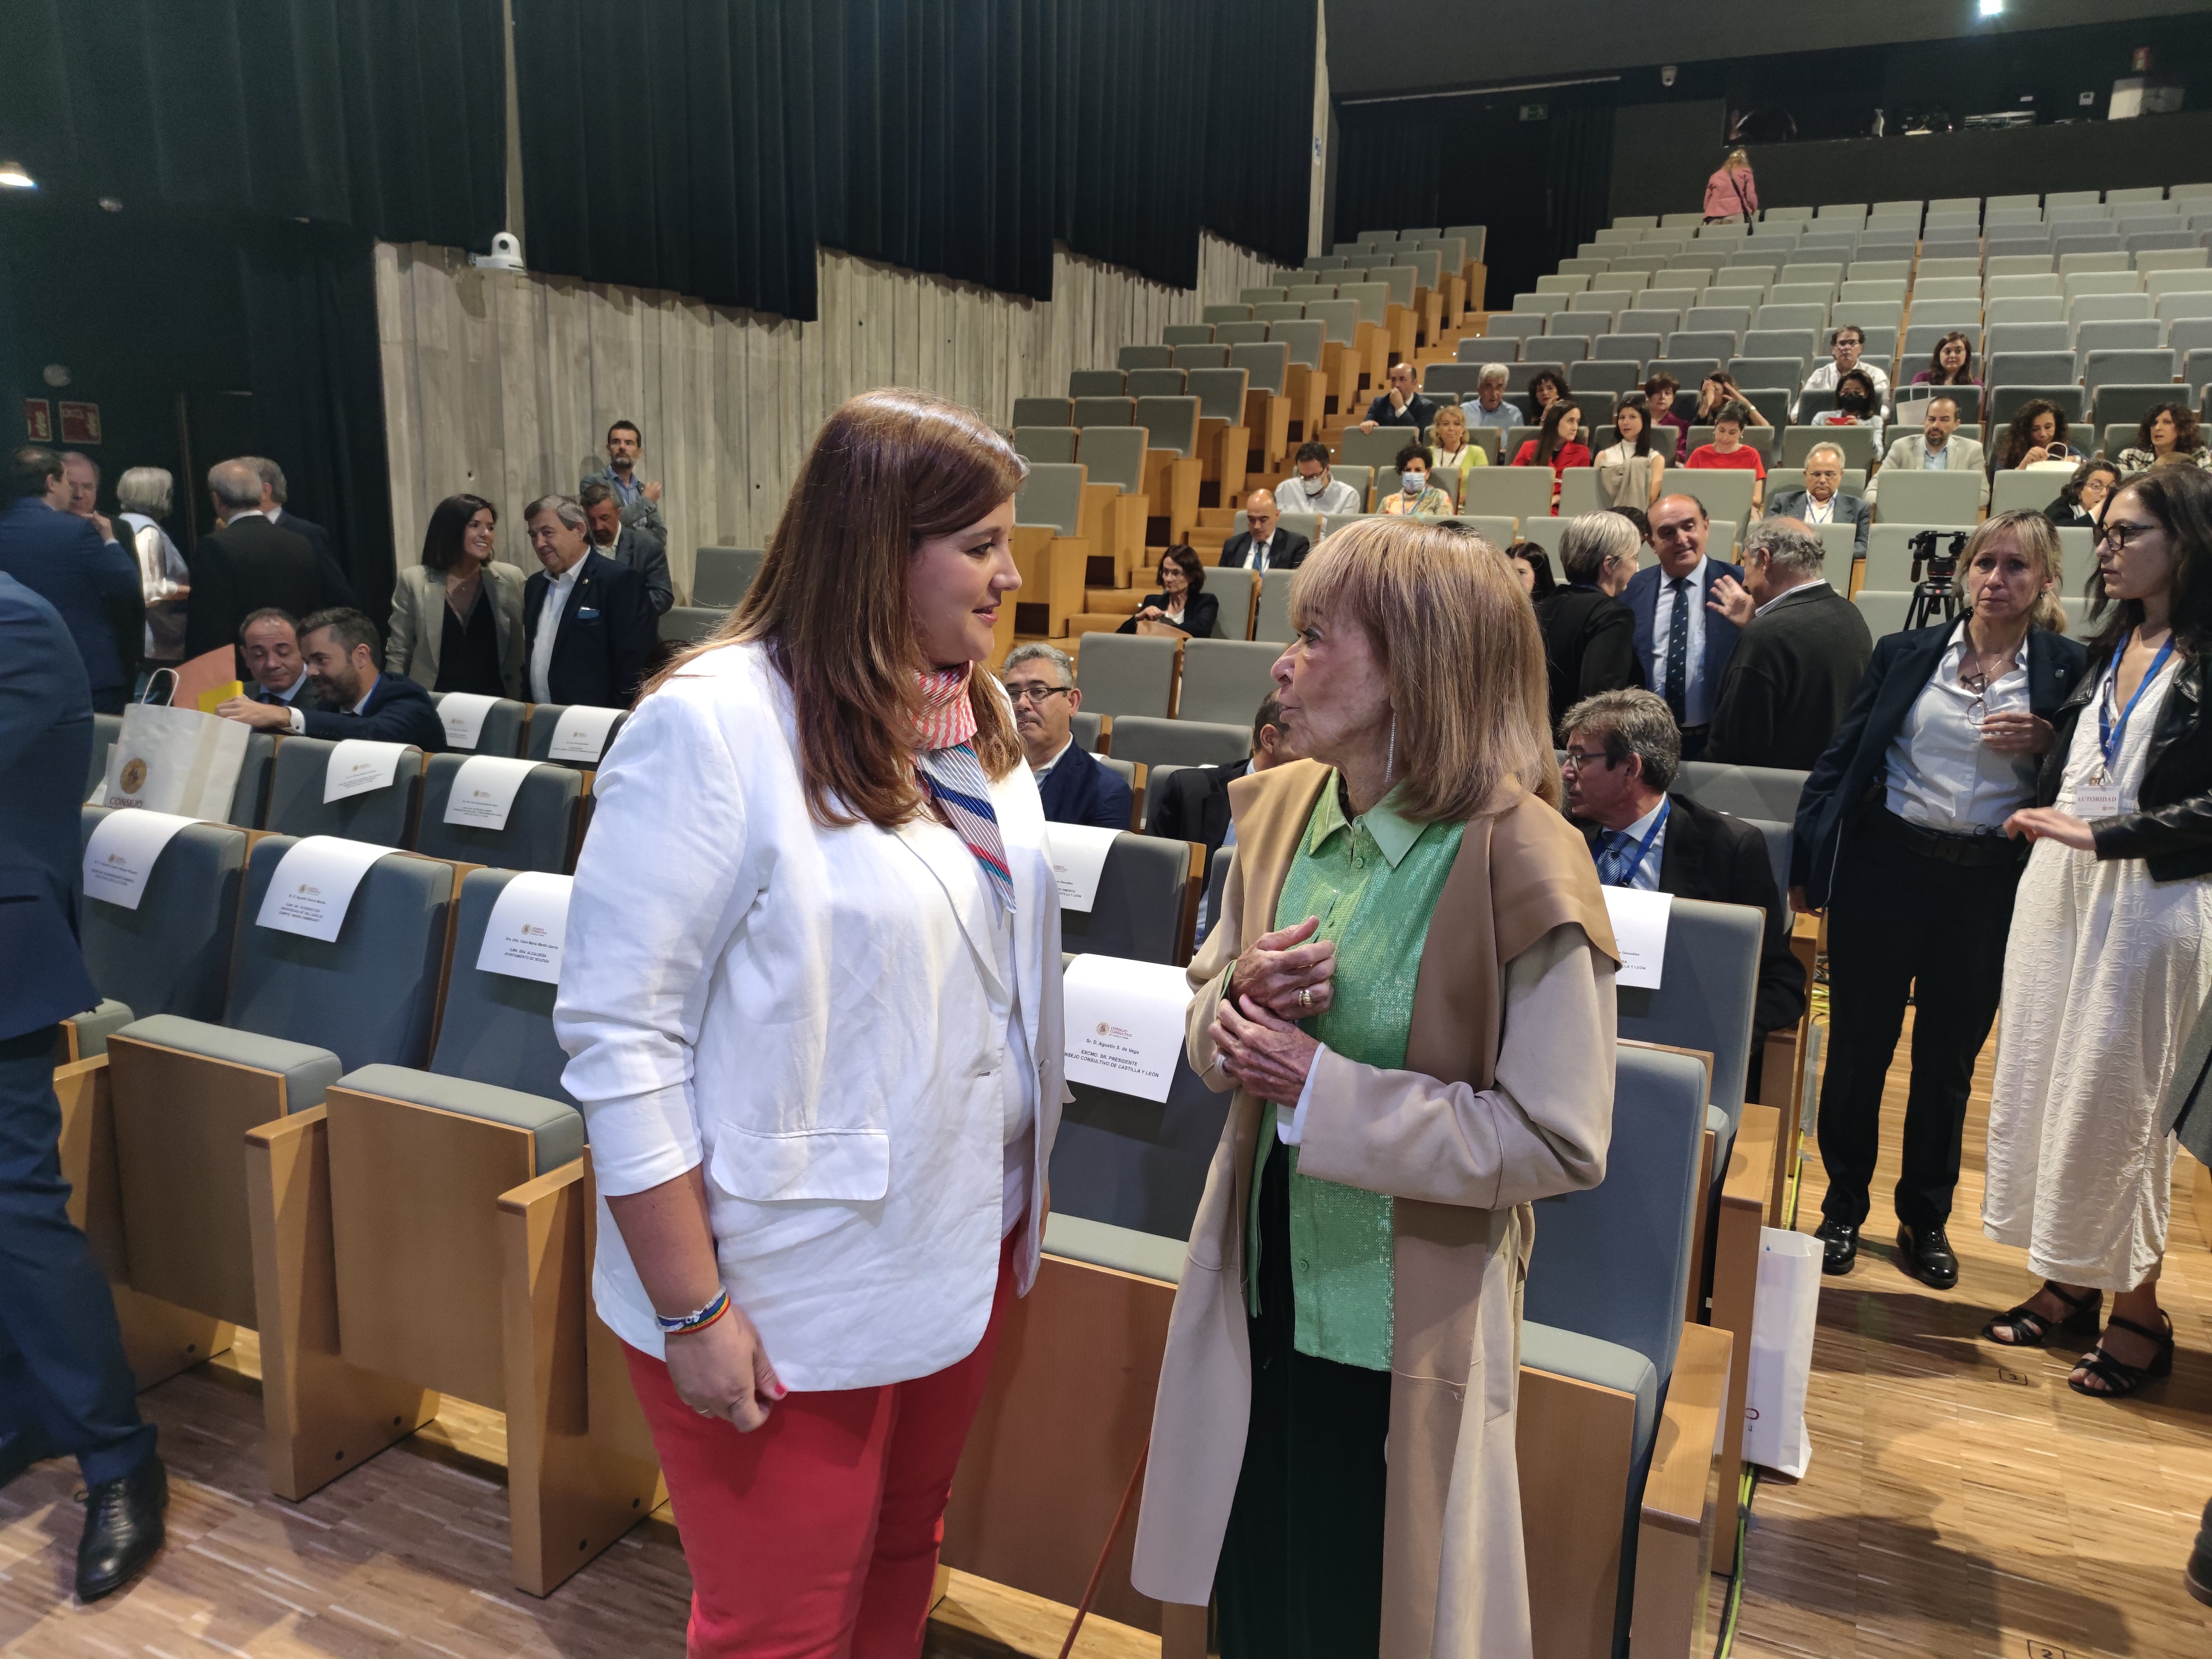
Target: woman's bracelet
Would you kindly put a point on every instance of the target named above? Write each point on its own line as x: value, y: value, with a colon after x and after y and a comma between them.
x: 698, y: 1320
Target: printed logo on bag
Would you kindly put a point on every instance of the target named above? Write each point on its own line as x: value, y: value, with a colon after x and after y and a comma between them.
x: 133, y: 777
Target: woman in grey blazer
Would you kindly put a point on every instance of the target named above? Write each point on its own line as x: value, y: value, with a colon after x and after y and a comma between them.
x: 457, y: 617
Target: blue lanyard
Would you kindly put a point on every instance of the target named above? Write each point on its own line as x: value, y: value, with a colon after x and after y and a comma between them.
x: 2112, y: 737
x: 1643, y: 848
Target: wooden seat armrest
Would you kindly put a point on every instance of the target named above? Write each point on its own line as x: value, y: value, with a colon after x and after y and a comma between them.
x: 517, y: 1201
x: 1682, y: 1457
x: 1751, y: 1166
x: 289, y: 1126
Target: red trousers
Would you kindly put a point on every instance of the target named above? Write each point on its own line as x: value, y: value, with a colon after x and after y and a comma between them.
x: 816, y: 1537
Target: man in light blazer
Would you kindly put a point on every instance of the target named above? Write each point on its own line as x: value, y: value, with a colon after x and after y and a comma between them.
x: 589, y: 627
x: 1679, y: 528
x: 1823, y: 499
x: 1265, y: 546
x: 1935, y: 448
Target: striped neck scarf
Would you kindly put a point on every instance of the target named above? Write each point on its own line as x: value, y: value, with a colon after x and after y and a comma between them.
x: 945, y: 757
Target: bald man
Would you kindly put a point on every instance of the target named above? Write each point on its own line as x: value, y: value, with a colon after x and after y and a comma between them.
x: 1266, y: 545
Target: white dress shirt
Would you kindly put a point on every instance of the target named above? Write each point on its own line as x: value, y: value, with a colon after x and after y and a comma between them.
x: 1815, y: 511
x: 1697, y: 696
x: 1337, y: 498
x: 549, y: 625
x: 1256, y: 555
x: 1802, y: 587
x: 1040, y: 773
x: 1939, y: 773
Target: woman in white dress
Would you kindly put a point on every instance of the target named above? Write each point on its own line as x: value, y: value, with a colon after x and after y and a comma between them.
x: 2108, y: 969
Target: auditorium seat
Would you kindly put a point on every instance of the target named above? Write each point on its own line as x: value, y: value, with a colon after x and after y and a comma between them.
x: 501, y: 733
x: 1517, y: 492
x: 1175, y: 334
x: 172, y: 954
x: 1884, y: 610
x: 689, y: 624
x: 249, y: 800
x: 1798, y: 441
x: 1152, y: 356
x: 1158, y: 743
x: 1148, y: 895
x: 1046, y: 445
x: 1724, y: 493
x: 1145, y: 383
x: 545, y: 723
x: 296, y: 806
x: 1743, y: 791
x: 1225, y: 681
x: 1127, y: 673
x: 723, y: 575
x: 106, y: 730
x: 542, y: 825
x: 2113, y: 404
x: 1929, y: 498
x: 1271, y: 616
x: 1043, y: 411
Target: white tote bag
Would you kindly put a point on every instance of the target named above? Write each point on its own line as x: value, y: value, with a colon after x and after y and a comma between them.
x: 175, y: 760
x: 1787, y: 1309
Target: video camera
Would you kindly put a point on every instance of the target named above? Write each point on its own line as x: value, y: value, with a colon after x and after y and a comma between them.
x: 1935, y: 577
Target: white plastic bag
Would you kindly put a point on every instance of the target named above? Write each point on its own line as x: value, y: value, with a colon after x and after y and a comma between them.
x: 1787, y: 1309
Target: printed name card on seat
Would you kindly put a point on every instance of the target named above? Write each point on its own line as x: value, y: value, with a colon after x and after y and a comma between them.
x: 477, y: 724
x: 1126, y: 895
x: 573, y: 734
x: 353, y: 788
x: 509, y: 814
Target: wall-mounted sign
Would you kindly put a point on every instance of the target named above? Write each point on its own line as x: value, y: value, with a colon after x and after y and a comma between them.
x: 80, y: 422
x: 38, y: 420
x: 1535, y: 112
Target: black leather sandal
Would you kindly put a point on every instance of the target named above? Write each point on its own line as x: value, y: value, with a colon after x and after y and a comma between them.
x: 2119, y: 1378
x: 2032, y: 1329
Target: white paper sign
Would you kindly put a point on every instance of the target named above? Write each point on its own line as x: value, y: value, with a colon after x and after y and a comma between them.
x: 462, y: 713
x: 529, y: 922
x: 581, y: 734
x: 1124, y: 1022
x: 314, y: 883
x: 1078, y: 852
x: 1639, y: 928
x: 485, y: 790
x: 357, y: 766
x: 120, y: 854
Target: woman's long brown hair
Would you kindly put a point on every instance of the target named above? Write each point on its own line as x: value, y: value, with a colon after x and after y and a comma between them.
x: 889, y: 471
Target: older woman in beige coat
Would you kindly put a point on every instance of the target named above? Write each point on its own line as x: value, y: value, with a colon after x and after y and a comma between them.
x: 1409, y: 895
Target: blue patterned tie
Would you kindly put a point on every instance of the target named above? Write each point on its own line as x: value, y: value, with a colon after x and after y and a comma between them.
x: 1677, y: 688
x: 1617, y: 860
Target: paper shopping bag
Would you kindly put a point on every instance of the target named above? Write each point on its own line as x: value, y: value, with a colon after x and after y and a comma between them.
x: 175, y: 760
x: 1787, y: 1309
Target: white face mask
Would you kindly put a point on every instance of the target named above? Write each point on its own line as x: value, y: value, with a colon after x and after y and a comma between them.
x: 1315, y: 485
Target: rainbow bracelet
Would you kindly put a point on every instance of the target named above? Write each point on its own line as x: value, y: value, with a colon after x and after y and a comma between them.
x: 698, y: 1320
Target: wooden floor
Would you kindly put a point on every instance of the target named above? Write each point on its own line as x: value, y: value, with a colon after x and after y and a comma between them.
x: 1961, y: 1501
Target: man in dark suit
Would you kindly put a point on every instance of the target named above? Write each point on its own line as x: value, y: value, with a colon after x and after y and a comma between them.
x: 1622, y: 751
x: 1265, y: 546
x: 355, y: 698
x: 587, y: 626
x: 65, y: 1387
x: 1823, y: 499
x: 1076, y: 786
x: 1399, y: 404
x: 1589, y: 636
x: 274, y: 508
x: 275, y: 672
x: 1803, y: 648
x: 251, y: 564
x: 627, y: 545
x: 1192, y: 803
x: 76, y: 565
x: 1681, y: 641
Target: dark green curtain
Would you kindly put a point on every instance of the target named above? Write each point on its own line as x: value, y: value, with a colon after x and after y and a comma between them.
x: 1259, y: 150
x: 387, y: 115
x: 671, y: 145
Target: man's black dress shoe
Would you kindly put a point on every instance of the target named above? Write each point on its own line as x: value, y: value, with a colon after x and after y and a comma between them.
x: 1927, y: 1255
x: 1841, y: 1239
x: 123, y: 1529
x: 19, y: 1451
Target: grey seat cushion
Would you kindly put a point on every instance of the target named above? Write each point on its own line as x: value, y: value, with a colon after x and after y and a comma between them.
x: 307, y: 1070
x: 94, y: 1024
x: 1607, y: 1364
x: 172, y: 954
x: 1146, y: 1254
x: 558, y: 1126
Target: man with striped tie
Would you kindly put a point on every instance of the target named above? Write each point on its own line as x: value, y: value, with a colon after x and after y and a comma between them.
x: 1683, y: 641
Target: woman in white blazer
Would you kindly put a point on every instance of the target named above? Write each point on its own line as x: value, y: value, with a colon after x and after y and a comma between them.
x: 457, y: 617
x: 812, y: 1000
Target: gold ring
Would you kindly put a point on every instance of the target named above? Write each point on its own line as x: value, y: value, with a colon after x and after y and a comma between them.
x: 1305, y: 997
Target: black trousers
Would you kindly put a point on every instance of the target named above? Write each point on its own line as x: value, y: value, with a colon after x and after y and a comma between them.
x: 1301, y: 1569
x: 63, y: 1377
x: 1902, y: 924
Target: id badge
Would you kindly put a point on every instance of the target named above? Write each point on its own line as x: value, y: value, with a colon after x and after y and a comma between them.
x: 2097, y: 800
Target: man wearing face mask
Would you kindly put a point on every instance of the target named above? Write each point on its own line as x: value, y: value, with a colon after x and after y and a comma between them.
x: 1850, y: 342
x: 1313, y: 489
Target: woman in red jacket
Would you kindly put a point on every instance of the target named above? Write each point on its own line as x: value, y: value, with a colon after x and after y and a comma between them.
x: 1558, y: 444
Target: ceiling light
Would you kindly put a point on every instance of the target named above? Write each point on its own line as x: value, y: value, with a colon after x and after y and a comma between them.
x: 13, y: 177
x: 1991, y: 8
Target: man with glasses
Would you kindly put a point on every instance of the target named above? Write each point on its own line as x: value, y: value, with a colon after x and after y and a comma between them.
x: 1076, y: 786
x: 1823, y: 499
x: 1683, y: 641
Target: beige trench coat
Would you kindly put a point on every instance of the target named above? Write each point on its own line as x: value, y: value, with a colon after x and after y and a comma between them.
x: 1464, y: 1162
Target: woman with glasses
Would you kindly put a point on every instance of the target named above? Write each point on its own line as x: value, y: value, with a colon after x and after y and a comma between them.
x: 2081, y: 501
x: 2110, y: 970
x: 1901, y: 836
x: 1181, y: 602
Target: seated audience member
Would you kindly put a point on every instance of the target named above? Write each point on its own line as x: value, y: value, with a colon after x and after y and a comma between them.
x: 1660, y: 392
x: 1716, y: 393
x: 76, y: 564
x: 2037, y: 435
x: 1181, y: 601
x: 1856, y: 405
x: 269, y: 640
x: 1398, y: 403
x: 641, y: 501
x: 2167, y: 433
x: 457, y: 616
x: 1728, y: 450
x: 1532, y: 565
x: 251, y: 564
x: 1265, y: 545
x: 1682, y: 642
x: 145, y: 494
x: 1951, y: 364
x: 1076, y: 787
x: 1935, y: 448
x: 355, y: 698
x: 1823, y: 499
x: 1589, y: 636
x: 1449, y: 448
x: 627, y: 545
x: 1629, y: 468
x: 1802, y: 652
x: 1623, y: 752
x: 1192, y: 803
x: 587, y: 625
x: 1315, y: 489
x: 1844, y: 356
x: 1491, y: 407
x: 2081, y: 501
x: 1414, y: 493
x: 1545, y: 390
x: 1558, y: 444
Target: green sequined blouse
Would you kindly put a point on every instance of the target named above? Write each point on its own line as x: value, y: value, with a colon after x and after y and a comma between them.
x: 1373, y: 881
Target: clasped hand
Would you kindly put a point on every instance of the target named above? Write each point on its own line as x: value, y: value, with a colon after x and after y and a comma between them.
x: 1283, y: 978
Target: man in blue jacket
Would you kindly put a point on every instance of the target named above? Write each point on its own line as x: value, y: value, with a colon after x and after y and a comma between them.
x: 1076, y: 786
x: 76, y: 565
x: 357, y: 698
x: 65, y: 1387
x: 1682, y: 640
